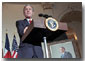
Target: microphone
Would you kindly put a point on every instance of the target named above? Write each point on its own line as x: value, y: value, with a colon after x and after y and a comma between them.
x: 40, y: 15
x: 44, y: 15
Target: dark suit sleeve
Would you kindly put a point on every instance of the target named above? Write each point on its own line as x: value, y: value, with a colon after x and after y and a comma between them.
x: 20, y: 28
x: 69, y: 55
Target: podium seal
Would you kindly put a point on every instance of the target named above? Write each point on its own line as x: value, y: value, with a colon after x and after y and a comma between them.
x: 51, y: 24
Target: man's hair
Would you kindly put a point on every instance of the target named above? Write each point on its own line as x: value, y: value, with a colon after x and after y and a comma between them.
x: 63, y: 48
x: 28, y: 5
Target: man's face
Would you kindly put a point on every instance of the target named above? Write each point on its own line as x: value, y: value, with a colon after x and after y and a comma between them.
x: 28, y: 11
x: 62, y: 50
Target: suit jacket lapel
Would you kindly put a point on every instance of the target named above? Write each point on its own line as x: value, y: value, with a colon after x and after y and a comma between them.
x: 26, y: 22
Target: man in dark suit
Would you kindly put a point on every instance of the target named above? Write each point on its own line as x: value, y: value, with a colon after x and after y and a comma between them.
x: 65, y: 54
x: 28, y: 48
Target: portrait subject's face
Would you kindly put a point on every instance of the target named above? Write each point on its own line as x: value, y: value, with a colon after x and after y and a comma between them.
x: 28, y: 11
x: 62, y: 50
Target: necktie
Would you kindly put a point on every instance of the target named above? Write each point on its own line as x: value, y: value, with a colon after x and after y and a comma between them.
x: 30, y: 21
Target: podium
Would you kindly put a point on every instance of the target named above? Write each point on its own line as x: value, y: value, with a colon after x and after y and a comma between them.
x: 37, y: 31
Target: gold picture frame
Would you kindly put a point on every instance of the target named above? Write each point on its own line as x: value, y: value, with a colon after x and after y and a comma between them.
x: 73, y: 44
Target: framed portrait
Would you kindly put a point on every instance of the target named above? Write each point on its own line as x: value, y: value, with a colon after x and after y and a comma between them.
x: 70, y: 46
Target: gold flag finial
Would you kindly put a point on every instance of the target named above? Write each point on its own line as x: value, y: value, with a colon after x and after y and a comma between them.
x: 14, y: 32
x: 6, y: 31
x: 75, y: 36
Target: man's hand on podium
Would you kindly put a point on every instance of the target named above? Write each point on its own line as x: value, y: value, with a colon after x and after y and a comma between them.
x: 25, y: 29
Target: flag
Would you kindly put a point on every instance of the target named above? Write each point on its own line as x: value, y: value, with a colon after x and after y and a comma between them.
x: 14, y: 48
x: 7, y: 53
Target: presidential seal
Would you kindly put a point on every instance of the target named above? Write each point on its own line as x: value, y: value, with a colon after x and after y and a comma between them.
x: 51, y: 24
